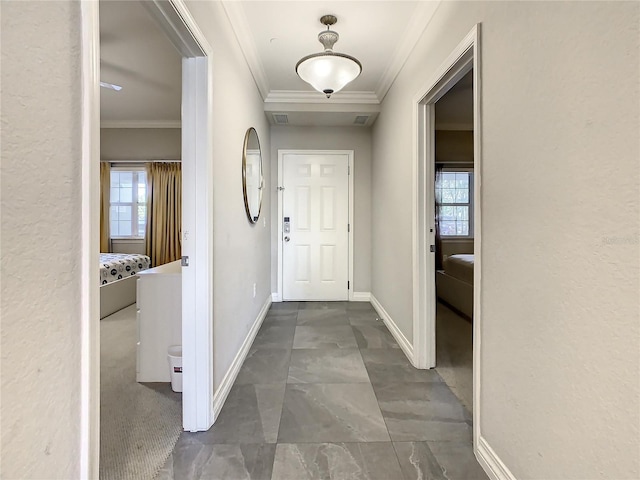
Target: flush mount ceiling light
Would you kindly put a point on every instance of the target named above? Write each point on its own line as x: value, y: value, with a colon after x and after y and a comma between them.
x: 329, y: 71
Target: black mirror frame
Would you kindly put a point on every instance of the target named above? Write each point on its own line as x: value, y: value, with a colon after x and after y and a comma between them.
x: 253, y: 219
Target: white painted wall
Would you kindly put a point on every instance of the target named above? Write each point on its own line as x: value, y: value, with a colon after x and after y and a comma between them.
x: 560, y: 305
x: 454, y: 146
x: 40, y: 411
x: 357, y: 139
x: 125, y: 245
x: 140, y: 144
x: 453, y: 247
x: 41, y: 156
x: 241, y: 250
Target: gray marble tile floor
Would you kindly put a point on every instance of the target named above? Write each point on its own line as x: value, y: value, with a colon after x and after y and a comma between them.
x: 342, y: 365
x: 326, y: 393
x: 323, y: 317
x: 282, y: 318
x: 374, y: 336
x: 331, y: 336
x: 364, y: 317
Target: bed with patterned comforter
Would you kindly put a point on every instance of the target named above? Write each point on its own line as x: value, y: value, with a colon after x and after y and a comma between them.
x: 116, y: 266
x: 454, y: 284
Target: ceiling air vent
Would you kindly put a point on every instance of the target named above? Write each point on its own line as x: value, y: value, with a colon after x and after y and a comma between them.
x: 361, y: 120
x: 281, y: 118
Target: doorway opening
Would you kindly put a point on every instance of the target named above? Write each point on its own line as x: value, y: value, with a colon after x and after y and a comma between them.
x: 197, y: 226
x: 141, y: 198
x: 459, y: 217
x: 454, y: 262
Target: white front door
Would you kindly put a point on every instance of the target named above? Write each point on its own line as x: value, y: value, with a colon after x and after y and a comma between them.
x: 315, y: 252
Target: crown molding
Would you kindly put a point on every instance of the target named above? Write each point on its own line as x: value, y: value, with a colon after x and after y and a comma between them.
x: 362, y: 108
x: 141, y: 124
x: 419, y: 21
x: 301, y: 96
x: 240, y: 25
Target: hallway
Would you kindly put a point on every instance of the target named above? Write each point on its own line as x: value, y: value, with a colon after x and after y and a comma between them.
x: 325, y: 392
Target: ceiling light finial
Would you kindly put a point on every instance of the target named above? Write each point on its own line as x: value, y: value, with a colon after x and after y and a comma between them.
x: 328, y: 72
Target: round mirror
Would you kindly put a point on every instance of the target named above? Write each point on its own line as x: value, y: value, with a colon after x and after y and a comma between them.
x: 252, y: 175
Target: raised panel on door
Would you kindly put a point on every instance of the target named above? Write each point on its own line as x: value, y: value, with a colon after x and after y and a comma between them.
x: 302, y: 267
x: 316, y: 202
x: 302, y: 210
x: 328, y: 208
x: 328, y: 263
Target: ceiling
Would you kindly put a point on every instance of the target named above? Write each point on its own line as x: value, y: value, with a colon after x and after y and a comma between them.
x: 273, y: 36
x: 137, y: 55
x: 379, y: 33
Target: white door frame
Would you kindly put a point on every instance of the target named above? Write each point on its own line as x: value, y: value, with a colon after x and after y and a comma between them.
x: 197, y: 243
x: 281, y: 154
x: 90, y: 293
x: 465, y: 57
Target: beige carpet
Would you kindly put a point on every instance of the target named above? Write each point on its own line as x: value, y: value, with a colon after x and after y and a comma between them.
x: 139, y: 423
x: 454, y: 353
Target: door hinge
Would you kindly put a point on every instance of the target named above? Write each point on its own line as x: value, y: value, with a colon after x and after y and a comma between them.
x: 348, y: 169
x: 184, y: 261
x: 348, y: 285
x: 348, y: 227
x: 432, y: 248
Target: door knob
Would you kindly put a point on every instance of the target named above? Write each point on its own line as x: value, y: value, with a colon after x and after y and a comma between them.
x: 286, y: 239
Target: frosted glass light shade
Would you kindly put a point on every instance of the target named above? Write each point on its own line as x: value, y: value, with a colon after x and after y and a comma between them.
x: 328, y: 72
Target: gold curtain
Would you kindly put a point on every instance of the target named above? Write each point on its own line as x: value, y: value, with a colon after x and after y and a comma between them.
x: 105, y: 199
x: 164, y: 212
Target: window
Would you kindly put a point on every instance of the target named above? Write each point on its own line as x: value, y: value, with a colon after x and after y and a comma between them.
x: 454, y: 196
x: 128, y: 215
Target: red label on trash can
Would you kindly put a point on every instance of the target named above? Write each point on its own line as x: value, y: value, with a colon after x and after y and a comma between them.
x: 177, y: 369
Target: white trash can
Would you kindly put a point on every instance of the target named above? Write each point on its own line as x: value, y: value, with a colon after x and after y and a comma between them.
x: 175, y: 365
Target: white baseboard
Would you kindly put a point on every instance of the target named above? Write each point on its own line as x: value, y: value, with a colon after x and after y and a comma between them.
x: 405, y: 345
x: 491, y: 463
x: 361, y: 297
x: 220, y: 396
x: 275, y: 297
